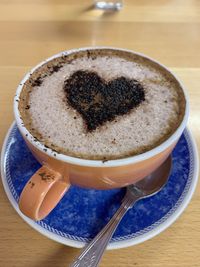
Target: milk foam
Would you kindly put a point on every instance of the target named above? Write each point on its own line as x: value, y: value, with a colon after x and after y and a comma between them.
x: 58, y: 125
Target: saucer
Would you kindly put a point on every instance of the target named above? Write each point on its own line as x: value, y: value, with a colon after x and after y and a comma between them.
x: 82, y: 213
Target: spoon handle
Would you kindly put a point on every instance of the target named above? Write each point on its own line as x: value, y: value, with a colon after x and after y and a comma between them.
x: 92, y: 253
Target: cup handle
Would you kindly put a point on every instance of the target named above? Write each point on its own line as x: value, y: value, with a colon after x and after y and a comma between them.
x: 42, y: 193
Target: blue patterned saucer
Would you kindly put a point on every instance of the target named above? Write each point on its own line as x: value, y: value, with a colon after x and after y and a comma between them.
x: 82, y: 213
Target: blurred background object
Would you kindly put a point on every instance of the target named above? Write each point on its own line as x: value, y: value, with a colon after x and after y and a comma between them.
x: 108, y: 5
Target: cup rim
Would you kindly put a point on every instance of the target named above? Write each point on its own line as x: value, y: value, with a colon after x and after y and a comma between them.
x: 99, y: 163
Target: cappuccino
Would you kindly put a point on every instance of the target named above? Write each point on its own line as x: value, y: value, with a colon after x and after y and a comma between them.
x: 101, y: 104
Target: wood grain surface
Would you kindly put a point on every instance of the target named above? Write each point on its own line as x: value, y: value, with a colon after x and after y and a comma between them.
x: 32, y: 30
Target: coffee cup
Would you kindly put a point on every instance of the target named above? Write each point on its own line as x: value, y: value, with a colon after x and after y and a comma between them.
x: 59, y: 171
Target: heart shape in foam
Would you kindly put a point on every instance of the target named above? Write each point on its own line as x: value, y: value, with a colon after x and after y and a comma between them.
x: 99, y: 101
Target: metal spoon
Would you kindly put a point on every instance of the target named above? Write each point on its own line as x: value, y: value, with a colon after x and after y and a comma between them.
x: 150, y: 185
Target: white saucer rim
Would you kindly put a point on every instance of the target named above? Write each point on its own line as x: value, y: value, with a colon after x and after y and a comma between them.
x: 116, y: 244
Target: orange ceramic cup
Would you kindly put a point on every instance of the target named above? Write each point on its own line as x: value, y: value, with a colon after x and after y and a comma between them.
x: 47, y: 186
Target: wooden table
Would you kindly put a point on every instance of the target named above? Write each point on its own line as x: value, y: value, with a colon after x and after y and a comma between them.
x: 32, y: 30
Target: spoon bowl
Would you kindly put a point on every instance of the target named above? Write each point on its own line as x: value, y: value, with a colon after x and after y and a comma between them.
x: 152, y: 183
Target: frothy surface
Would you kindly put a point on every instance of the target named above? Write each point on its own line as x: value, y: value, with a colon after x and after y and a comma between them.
x: 50, y: 118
